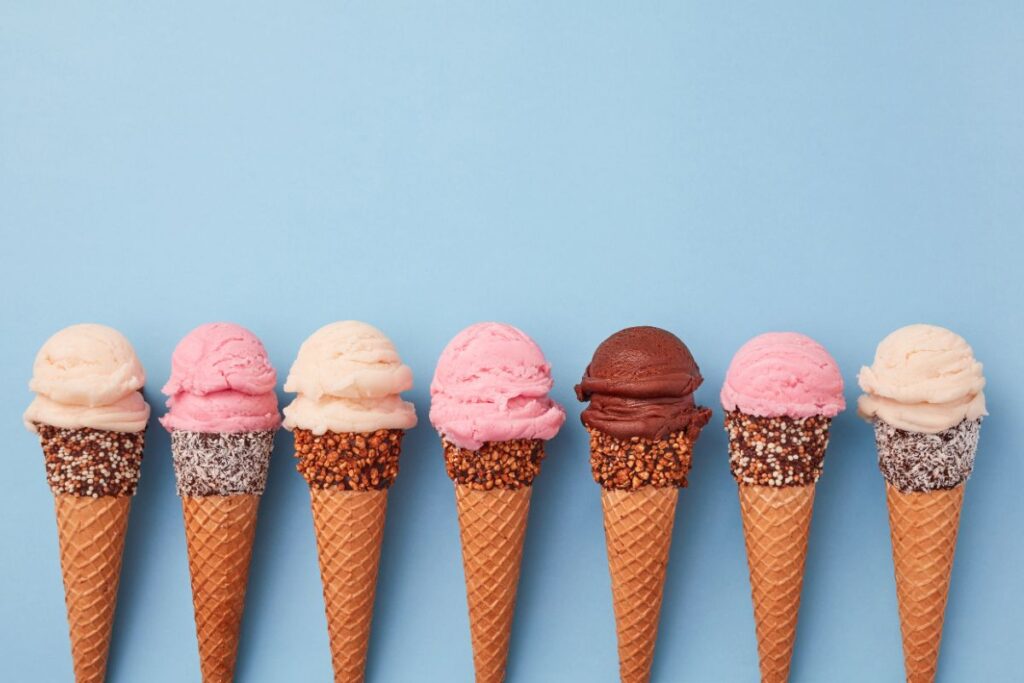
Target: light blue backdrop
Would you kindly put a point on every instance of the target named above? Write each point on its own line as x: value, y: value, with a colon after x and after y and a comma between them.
x: 566, y: 167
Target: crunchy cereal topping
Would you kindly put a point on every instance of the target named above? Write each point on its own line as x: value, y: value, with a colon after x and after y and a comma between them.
x: 497, y: 465
x: 628, y: 464
x: 213, y: 464
x: 353, y: 461
x: 776, y: 451
x: 913, y: 461
x: 91, y: 462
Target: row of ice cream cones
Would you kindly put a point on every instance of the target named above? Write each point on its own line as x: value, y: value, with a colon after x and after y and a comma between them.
x: 491, y: 407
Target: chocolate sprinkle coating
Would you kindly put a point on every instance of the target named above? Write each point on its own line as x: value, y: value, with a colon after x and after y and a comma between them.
x: 91, y: 462
x: 628, y: 464
x: 352, y: 461
x: 215, y: 464
x: 776, y: 451
x: 497, y: 465
x: 914, y: 461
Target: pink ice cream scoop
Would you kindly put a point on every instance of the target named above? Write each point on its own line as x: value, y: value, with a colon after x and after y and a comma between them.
x: 221, y: 382
x: 783, y: 374
x: 492, y: 384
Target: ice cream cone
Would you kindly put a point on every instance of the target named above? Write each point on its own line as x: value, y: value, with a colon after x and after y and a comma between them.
x: 91, y: 418
x: 780, y: 394
x: 924, y: 396
x: 776, y: 525
x: 220, y: 478
x: 493, y: 527
x: 349, y: 476
x: 489, y: 403
x: 91, y: 533
x: 349, y: 533
x: 925, y: 476
x: 222, y: 415
x: 219, y: 531
x: 492, y: 495
x: 638, y: 532
x: 348, y: 420
x: 924, y: 528
x: 643, y: 421
x: 93, y: 474
x: 776, y: 462
x: 638, y: 521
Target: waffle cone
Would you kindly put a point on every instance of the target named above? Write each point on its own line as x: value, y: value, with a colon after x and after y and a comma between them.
x: 776, y: 524
x: 923, y: 527
x: 349, y: 532
x: 219, y: 532
x: 493, y: 527
x: 91, y: 533
x: 638, y: 534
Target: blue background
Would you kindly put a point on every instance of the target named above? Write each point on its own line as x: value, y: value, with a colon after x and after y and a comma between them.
x: 840, y: 169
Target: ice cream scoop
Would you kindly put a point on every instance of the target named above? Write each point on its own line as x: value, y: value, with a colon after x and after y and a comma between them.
x: 491, y: 384
x: 783, y: 373
x: 640, y: 382
x: 348, y: 377
x: 220, y: 357
x: 221, y: 382
x: 348, y: 359
x: 88, y: 376
x: 924, y: 379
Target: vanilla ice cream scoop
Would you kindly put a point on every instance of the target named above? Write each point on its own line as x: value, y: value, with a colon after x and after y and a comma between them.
x: 88, y: 376
x: 924, y: 379
x: 348, y: 377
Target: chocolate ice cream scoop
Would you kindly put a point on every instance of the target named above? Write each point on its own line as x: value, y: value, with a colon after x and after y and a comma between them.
x: 640, y: 382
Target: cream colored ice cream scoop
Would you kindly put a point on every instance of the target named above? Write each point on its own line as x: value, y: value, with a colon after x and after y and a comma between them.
x: 924, y: 379
x: 88, y: 376
x: 348, y: 377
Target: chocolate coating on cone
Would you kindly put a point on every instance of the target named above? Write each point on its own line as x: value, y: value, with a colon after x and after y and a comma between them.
x: 216, y: 464
x: 350, y: 461
x: 628, y: 464
x: 91, y: 462
x: 776, y: 451
x: 497, y: 465
x: 914, y: 461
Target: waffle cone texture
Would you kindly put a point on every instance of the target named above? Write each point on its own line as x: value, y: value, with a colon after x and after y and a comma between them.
x: 492, y: 524
x: 93, y: 474
x: 925, y: 478
x: 924, y: 527
x: 638, y: 534
x: 219, y: 533
x: 349, y: 475
x: 349, y: 532
x: 91, y: 532
x: 776, y: 526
